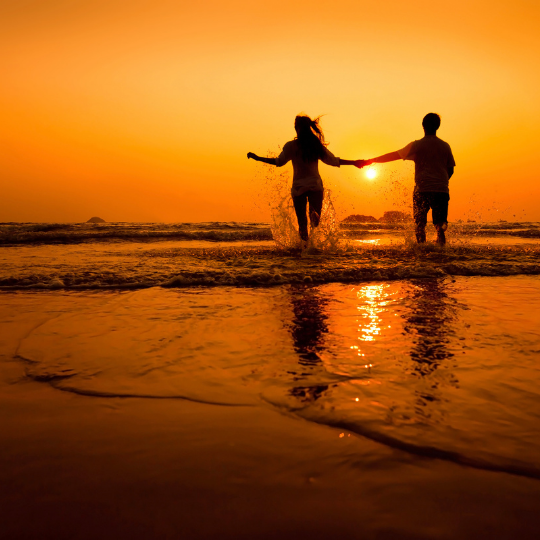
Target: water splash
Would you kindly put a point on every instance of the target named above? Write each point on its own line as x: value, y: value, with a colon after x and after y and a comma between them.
x: 284, y: 225
x: 327, y: 235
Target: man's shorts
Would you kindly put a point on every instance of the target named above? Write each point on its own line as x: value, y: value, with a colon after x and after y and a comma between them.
x: 424, y: 201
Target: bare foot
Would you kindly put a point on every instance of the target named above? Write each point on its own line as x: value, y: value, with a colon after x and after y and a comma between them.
x: 441, y: 238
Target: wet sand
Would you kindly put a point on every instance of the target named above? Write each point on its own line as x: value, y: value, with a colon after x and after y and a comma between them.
x: 83, y: 467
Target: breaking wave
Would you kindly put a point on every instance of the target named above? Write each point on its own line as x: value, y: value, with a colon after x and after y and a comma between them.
x: 260, y: 266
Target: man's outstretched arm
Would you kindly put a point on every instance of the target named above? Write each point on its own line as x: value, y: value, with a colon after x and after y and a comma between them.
x: 392, y: 156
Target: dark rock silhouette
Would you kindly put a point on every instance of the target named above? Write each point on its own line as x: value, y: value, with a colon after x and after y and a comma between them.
x: 96, y: 220
x: 395, y: 217
x: 359, y: 218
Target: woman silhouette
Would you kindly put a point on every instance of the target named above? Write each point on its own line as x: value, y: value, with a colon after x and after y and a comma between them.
x: 305, y: 151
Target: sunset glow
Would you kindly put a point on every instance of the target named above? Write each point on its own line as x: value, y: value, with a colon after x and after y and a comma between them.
x: 145, y: 111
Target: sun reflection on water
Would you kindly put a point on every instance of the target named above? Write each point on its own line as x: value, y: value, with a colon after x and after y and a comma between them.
x: 372, y: 242
x: 374, y: 301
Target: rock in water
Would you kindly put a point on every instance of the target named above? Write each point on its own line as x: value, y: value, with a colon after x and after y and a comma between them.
x: 359, y: 218
x: 395, y: 217
x: 96, y: 220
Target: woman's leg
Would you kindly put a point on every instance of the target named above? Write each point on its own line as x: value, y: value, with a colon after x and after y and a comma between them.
x: 315, y: 206
x: 300, y: 204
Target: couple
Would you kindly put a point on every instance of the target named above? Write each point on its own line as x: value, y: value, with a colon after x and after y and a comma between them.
x: 433, y: 162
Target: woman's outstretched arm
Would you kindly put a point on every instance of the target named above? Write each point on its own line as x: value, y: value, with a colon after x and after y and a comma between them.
x: 346, y: 161
x: 334, y: 161
x: 268, y: 160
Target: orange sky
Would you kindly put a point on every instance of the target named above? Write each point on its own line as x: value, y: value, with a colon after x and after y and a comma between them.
x: 144, y: 111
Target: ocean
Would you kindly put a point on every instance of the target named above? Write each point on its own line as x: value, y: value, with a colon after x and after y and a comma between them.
x: 430, y: 352
x: 140, y: 255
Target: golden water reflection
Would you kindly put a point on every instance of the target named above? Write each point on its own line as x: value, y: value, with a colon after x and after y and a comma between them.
x: 382, y: 332
x: 372, y: 242
x: 373, y: 301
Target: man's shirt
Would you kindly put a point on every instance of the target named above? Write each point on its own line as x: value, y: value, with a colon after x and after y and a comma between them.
x: 432, y: 158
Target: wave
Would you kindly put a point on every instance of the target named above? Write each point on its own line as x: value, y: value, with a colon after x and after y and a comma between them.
x: 522, y: 230
x: 76, y: 233
x: 53, y: 381
x: 486, y: 463
x: 16, y: 234
x: 267, y: 267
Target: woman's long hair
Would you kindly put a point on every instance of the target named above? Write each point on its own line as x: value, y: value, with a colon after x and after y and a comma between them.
x: 310, y: 137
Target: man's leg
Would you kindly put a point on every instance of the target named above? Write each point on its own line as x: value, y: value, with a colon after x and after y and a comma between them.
x: 439, y: 211
x: 300, y: 203
x: 420, y: 212
x: 315, y: 206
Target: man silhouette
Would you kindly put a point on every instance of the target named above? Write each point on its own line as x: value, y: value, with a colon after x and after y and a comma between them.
x: 433, y: 166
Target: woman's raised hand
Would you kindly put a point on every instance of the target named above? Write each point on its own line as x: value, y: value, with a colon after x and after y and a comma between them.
x: 252, y: 155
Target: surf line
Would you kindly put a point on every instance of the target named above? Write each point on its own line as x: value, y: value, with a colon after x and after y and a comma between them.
x: 515, y: 469
x: 53, y: 381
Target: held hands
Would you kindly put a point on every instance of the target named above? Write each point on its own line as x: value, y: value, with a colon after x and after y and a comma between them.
x: 251, y: 155
x: 360, y: 163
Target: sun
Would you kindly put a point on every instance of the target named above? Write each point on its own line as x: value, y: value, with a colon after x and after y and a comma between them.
x: 371, y: 173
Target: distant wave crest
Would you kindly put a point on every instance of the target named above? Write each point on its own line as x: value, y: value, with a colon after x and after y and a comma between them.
x: 13, y: 234
x: 66, y: 233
